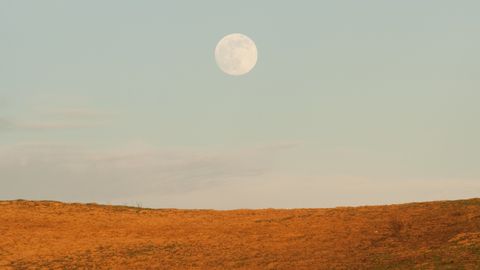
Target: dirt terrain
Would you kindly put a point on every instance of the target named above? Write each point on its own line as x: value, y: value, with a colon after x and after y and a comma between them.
x: 54, y: 235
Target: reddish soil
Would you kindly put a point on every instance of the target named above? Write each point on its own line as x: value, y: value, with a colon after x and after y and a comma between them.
x: 54, y: 235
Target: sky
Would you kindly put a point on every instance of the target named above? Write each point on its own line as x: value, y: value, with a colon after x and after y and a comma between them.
x: 350, y: 103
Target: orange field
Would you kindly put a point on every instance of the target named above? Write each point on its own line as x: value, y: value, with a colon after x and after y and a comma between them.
x: 54, y: 235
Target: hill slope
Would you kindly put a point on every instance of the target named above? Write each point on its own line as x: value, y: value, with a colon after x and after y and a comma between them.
x: 53, y: 235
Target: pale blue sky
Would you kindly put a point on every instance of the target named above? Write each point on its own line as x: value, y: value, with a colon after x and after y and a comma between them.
x: 351, y: 102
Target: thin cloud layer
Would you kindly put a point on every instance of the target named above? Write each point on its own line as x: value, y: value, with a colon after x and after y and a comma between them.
x: 77, y: 113
x: 73, y: 172
x: 5, y: 124
x: 55, y: 119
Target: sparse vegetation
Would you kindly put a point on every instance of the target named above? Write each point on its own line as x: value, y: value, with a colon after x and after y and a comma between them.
x: 52, y: 235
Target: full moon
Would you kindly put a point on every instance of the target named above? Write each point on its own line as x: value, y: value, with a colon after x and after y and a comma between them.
x: 236, y: 54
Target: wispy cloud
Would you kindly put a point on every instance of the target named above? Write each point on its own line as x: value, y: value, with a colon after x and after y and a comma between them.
x: 55, y: 119
x: 5, y: 124
x: 77, y: 113
x: 54, y: 125
x: 69, y: 171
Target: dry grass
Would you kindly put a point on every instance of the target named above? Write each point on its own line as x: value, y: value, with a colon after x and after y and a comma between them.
x: 53, y: 235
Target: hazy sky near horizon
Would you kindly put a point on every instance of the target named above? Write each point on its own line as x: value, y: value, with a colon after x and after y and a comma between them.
x: 351, y: 102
